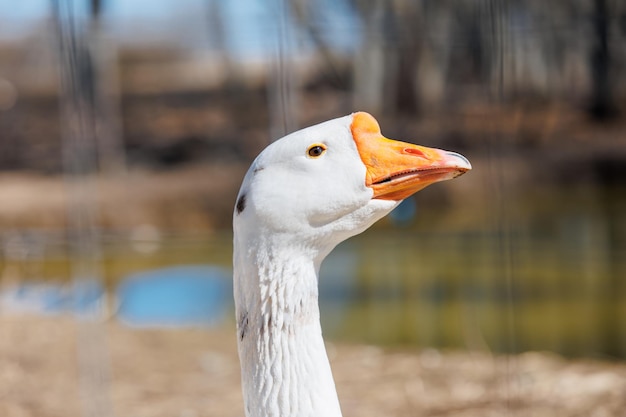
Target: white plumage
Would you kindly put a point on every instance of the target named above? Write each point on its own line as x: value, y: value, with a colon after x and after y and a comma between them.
x: 304, y: 194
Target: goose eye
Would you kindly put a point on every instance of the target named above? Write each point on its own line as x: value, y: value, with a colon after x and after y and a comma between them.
x: 316, y: 150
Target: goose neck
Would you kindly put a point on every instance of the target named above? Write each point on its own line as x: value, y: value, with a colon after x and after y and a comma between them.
x: 284, y: 365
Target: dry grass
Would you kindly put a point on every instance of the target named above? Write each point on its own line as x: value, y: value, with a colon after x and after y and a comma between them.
x: 150, y: 373
x: 195, y: 197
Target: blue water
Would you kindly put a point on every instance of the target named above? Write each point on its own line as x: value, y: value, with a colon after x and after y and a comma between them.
x: 195, y: 295
x: 83, y: 298
x: 181, y: 296
x: 177, y: 296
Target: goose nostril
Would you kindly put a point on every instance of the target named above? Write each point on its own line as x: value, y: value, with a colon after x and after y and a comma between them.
x: 416, y: 152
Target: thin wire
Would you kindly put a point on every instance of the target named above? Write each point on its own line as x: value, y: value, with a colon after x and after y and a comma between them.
x: 504, y: 259
x: 79, y: 154
x: 283, y: 115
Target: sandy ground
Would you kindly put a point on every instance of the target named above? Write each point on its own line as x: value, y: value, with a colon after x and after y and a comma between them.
x: 58, y: 367
x: 194, y: 197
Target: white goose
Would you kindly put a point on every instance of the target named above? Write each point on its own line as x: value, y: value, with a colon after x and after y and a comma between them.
x: 304, y: 194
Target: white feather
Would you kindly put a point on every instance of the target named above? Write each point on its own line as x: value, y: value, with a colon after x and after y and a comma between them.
x: 296, y: 210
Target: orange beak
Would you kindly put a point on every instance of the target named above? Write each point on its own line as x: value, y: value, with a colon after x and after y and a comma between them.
x: 395, y: 169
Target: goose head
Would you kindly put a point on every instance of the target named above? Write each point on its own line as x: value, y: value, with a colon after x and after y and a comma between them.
x: 320, y: 185
x: 303, y: 195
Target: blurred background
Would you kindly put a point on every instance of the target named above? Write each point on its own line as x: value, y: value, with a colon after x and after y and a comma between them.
x: 126, y: 128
